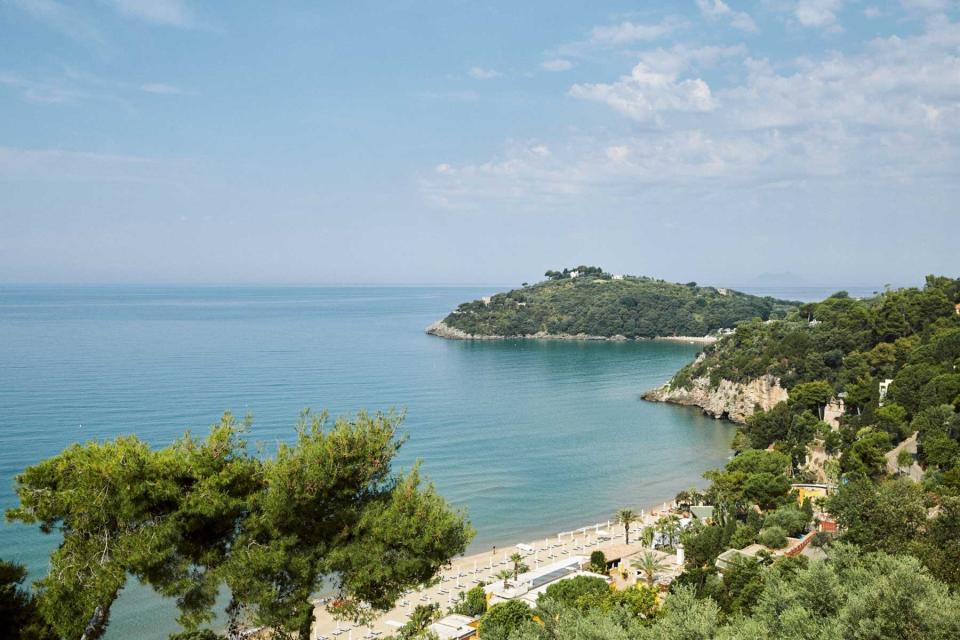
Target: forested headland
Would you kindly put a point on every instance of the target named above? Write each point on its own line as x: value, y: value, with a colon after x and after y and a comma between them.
x: 588, y: 301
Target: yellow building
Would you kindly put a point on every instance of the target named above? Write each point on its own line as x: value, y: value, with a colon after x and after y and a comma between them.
x: 812, y: 491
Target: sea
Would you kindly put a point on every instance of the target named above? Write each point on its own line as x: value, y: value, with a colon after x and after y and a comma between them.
x: 529, y: 437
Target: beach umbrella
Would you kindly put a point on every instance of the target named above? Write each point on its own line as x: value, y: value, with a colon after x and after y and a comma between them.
x: 474, y: 566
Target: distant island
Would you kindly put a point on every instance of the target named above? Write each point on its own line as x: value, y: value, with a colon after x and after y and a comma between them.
x: 588, y: 303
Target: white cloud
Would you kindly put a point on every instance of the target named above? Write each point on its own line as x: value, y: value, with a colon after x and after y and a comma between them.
x: 556, y: 64
x: 629, y: 32
x: 645, y: 93
x: 818, y: 13
x: 885, y: 116
x: 161, y: 88
x: 43, y: 91
x: 483, y: 74
x: 926, y: 5
x: 58, y: 165
x: 654, y: 84
x: 171, y: 13
x: 65, y: 19
x: 720, y: 10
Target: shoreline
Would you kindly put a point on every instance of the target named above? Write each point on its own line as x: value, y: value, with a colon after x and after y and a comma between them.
x: 443, y: 330
x: 470, y: 569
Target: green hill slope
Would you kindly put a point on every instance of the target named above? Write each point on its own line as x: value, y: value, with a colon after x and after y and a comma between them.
x: 587, y: 301
x: 893, y: 361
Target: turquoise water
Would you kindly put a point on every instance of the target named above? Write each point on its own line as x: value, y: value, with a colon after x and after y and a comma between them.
x: 530, y: 437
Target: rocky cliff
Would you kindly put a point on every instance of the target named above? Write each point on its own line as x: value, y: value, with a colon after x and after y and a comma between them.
x: 732, y: 400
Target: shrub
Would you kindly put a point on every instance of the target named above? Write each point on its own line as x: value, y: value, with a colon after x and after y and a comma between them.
x: 473, y: 603
x: 504, y: 619
x: 774, y: 537
x: 570, y: 592
x: 790, y: 518
x: 598, y: 562
x: 744, y: 535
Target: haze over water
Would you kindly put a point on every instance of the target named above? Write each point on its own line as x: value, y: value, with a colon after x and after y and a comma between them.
x: 532, y: 437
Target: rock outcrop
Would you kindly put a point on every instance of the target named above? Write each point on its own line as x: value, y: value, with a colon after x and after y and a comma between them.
x: 731, y: 400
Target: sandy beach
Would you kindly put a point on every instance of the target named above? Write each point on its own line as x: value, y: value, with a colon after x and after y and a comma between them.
x: 692, y: 339
x: 466, y: 572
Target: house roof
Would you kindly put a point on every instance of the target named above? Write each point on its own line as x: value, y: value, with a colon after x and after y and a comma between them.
x: 613, y: 552
x: 453, y: 627
x: 702, y: 512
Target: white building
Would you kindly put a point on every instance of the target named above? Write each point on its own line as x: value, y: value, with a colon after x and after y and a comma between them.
x: 618, y: 276
x: 454, y: 627
x: 574, y: 274
x: 528, y: 586
x: 884, y: 387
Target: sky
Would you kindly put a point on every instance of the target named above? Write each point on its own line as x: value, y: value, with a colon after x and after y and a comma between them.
x: 449, y: 141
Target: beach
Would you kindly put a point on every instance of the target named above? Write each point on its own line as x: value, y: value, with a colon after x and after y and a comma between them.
x: 468, y: 571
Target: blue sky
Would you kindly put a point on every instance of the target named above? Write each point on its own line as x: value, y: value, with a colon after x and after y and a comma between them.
x: 447, y: 141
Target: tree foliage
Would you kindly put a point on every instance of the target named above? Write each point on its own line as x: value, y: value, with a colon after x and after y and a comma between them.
x: 595, y: 304
x: 198, y: 514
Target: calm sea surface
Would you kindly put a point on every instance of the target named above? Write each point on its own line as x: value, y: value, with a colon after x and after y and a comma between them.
x: 530, y: 437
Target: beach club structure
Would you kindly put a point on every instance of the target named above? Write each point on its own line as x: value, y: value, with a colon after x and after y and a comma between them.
x: 529, y: 585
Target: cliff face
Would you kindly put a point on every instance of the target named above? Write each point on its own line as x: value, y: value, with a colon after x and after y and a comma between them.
x: 733, y: 400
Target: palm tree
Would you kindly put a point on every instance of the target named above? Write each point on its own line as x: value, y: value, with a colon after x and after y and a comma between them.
x: 669, y: 527
x: 650, y: 564
x: 626, y: 517
x: 505, y: 574
x: 647, y: 536
x: 518, y: 565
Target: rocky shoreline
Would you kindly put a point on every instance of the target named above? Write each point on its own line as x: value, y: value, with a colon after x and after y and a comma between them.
x: 443, y: 330
x: 734, y: 401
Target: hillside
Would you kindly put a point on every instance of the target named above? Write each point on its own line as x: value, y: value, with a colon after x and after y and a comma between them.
x: 586, y: 301
x: 887, y: 367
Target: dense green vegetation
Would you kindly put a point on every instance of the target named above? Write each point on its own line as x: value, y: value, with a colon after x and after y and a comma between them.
x: 844, y: 348
x: 200, y: 514
x: 893, y: 568
x: 20, y: 618
x: 191, y: 517
x: 596, y: 304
